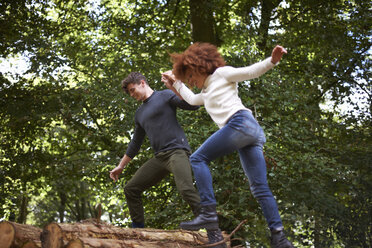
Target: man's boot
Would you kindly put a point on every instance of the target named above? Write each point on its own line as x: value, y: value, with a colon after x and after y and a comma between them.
x: 279, y: 240
x: 215, y: 236
x: 206, y: 219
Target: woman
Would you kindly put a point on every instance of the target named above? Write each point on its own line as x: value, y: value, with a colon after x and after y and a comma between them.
x: 201, y: 65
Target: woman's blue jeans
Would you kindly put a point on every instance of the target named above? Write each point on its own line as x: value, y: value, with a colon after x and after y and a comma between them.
x: 242, y: 133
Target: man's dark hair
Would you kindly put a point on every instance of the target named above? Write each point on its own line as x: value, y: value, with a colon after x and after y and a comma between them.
x: 132, y: 78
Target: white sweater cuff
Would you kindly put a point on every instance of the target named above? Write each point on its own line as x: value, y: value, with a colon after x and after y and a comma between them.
x: 277, y: 63
x: 177, y: 85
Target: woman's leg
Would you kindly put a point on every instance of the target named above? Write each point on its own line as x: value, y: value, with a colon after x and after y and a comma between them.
x: 241, y: 130
x: 254, y: 166
x: 217, y: 145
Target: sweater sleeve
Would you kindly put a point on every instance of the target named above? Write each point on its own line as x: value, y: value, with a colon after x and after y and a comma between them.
x: 187, y: 94
x: 136, y: 142
x: 249, y: 72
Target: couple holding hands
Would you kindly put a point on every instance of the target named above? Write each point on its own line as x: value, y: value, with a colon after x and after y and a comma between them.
x: 201, y: 66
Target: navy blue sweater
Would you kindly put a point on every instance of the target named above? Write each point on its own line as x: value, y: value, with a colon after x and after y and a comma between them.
x: 156, y: 118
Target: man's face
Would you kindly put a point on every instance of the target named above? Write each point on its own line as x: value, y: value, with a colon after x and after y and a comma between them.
x: 137, y: 91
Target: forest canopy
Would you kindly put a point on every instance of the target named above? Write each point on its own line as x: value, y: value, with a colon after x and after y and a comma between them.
x: 65, y: 121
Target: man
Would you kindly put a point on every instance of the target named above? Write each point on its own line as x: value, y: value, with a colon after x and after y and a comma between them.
x: 156, y: 118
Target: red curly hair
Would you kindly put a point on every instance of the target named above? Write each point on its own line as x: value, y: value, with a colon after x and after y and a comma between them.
x: 202, y: 58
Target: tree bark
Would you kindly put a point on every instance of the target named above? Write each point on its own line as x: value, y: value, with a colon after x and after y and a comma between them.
x: 19, y: 235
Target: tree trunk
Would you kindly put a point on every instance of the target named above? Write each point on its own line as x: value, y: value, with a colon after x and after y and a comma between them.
x: 23, y: 209
x: 19, y: 235
x: 92, y: 235
x: 202, y: 20
x: 133, y: 243
x: 104, y: 235
x: 267, y: 7
x: 62, y: 207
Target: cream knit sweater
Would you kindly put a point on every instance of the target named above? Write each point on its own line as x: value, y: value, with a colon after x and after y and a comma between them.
x: 219, y: 94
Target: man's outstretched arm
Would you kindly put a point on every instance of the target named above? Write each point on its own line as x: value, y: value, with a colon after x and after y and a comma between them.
x: 132, y: 150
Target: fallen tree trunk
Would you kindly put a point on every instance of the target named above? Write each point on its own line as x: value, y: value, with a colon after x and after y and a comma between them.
x: 132, y: 243
x: 56, y: 235
x: 114, y: 243
x: 19, y: 235
x: 92, y: 235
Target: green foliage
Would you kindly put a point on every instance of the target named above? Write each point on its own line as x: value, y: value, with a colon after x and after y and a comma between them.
x: 65, y: 122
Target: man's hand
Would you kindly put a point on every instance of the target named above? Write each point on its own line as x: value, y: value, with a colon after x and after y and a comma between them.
x: 114, y: 174
x: 277, y: 54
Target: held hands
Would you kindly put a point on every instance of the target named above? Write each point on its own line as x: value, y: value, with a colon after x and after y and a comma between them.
x: 114, y: 174
x: 168, y: 79
x: 277, y: 54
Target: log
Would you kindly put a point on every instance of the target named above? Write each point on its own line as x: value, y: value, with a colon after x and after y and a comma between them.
x: 19, y: 235
x: 76, y: 243
x: 104, y: 235
x: 132, y: 243
x: 7, y: 234
x: 51, y: 237
x: 31, y: 244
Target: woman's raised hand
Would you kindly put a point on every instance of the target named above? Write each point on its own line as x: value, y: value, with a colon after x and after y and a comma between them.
x: 277, y: 54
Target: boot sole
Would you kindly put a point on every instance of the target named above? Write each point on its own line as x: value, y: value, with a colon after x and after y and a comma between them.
x: 208, y: 226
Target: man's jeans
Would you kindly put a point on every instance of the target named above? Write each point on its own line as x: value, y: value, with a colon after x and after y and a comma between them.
x: 242, y: 133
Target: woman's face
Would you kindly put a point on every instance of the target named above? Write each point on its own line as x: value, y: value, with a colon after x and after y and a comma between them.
x: 197, y: 79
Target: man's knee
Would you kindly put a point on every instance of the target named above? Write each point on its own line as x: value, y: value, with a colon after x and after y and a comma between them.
x: 131, y: 190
